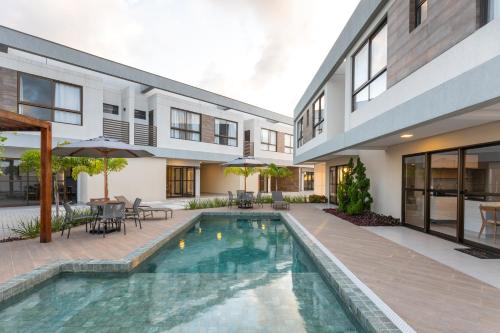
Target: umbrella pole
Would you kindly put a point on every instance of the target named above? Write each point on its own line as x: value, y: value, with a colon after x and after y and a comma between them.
x: 246, y: 179
x: 106, y: 178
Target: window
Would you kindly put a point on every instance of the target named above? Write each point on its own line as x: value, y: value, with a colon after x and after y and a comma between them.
x: 111, y: 109
x: 138, y: 114
x: 491, y: 10
x: 308, y: 181
x: 370, y: 68
x: 300, y: 132
x: 420, y: 11
x: 185, y: 125
x: 226, y: 132
x: 268, y: 140
x: 307, y: 118
x: 318, y: 115
x: 50, y: 100
x: 288, y: 144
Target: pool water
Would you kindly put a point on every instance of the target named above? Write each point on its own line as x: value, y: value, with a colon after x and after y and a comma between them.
x: 223, y: 275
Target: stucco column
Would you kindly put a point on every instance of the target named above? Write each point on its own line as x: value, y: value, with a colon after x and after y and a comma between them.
x: 128, y: 102
x: 197, y: 177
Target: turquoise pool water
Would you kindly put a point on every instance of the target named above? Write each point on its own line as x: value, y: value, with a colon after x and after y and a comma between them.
x: 223, y: 275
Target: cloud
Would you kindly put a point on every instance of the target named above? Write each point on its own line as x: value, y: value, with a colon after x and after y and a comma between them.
x: 263, y: 52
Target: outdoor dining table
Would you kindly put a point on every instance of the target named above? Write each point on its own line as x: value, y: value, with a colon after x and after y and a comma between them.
x: 99, y: 204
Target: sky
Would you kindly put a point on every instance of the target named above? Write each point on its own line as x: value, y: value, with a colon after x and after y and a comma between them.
x: 262, y: 52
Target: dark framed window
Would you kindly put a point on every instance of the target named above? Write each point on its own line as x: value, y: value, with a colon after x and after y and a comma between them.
x: 138, y: 114
x: 300, y: 132
x: 288, y: 144
x: 421, y: 7
x: 307, y: 117
x: 110, y: 109
x: 268, y: 140
x: 369, y: 73
x: 226, y: 132
x: 318, y: 114
x: 51, y: 100
x: 185, y: 125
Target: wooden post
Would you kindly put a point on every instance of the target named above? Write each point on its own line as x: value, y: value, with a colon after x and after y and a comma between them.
x: 106, y: 179
x: 46, y: 185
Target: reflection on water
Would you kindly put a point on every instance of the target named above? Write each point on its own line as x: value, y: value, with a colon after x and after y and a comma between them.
x: 255, y: 278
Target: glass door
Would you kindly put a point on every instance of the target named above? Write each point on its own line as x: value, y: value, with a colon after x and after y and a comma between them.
x: 181, y: 181
x: 443, y: 193
x: 333, y: 185
x: 414, y: 191
x: 482, y: 196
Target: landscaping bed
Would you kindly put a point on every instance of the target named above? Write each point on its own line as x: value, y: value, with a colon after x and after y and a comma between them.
x: 368, y: 219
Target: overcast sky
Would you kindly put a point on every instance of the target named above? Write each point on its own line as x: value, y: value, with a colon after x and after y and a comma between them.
x: 263, y: 52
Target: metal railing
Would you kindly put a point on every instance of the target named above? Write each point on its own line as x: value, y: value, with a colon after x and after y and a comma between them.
x: 116, y: 129
x: 248, y: 148
x: 145, y: 135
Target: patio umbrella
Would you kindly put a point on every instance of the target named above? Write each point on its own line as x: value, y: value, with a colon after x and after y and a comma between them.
x: 104, y: 148
x: 245, y: 162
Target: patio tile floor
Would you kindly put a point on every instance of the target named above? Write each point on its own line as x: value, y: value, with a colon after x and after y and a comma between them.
x: 430, y: 296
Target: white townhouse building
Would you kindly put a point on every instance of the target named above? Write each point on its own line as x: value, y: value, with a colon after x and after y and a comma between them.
x: 190, y: 131
x: 412, y: 87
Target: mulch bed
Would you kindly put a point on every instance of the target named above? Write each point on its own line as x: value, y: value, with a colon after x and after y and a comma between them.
x: 368, y: 219
x: 10, y: 239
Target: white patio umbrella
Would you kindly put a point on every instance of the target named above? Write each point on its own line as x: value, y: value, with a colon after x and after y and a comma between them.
x: 104, y: 148
x: 245, y: 162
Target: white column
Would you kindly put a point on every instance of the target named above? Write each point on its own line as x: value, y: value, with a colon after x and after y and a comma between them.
x: 197, y: 181
x: 128, y: 102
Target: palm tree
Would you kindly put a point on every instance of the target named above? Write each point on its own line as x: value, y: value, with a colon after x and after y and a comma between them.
x: 241, y: 171
x: 277, y: 172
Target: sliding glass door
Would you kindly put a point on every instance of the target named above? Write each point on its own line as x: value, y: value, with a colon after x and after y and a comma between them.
x: 443, y: 192
x: 181, y: 181
x: 482, y: 195
x: 414, y: 190
x: 336, y: 177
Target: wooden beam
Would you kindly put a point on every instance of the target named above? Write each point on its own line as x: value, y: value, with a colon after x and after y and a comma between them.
x: 46, y: 184
x: 19, y: 121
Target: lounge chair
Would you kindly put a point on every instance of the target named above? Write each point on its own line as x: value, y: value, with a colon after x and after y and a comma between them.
x: 230, y: 199
x: 278, y: 201
x: 147, y: 211
x: 258, y: 200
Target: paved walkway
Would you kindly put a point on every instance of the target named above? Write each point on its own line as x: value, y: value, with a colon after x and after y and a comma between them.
x: 430, y: 296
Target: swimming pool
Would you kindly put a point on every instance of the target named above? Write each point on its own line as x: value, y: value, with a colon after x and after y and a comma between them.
x: 224, y: 274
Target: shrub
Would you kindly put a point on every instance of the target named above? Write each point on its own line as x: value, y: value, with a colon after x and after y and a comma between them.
x: 31, y: 228
x: 314, y: 198
x: 353, y: 193
x: 295, y: 198
x: 205, y: 203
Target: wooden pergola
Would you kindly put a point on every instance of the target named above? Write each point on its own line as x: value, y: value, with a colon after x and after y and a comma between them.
x: 10, y: 121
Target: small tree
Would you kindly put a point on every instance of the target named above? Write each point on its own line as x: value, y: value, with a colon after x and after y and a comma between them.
x: 241, y: 171
x: 2, y: 140
x: 344, y: 185
x: 277, y: 172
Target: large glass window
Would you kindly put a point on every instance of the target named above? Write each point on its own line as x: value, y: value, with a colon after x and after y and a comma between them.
x: 370, y: 68
x: 226, y: 132
x: 185, y: 125
x: 308, y: 181
x: 288, y: 144
x: 49, y: 100
x: 300, y: 132
x: 268, y: 140
x: 318, y: 115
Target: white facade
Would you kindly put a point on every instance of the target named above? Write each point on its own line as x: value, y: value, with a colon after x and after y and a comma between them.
x: 144, y: 178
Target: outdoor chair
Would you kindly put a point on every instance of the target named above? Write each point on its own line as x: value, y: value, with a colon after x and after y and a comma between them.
x: 230, y: 199
x: 278, y: 201
x: 112, y: 214
x: 258, y: 199
x: 490, y: 215
x: 134, y: 212
x: 71, y: 220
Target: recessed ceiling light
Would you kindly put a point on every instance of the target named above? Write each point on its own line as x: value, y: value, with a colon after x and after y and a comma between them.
x: 406, y: 136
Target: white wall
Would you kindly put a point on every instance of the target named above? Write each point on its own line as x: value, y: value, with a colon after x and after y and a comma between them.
x: 145, y: 178
x: 214, y: 181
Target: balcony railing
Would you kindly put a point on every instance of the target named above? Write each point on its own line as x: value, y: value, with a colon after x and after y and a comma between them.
x: 248, y: 148
x: 145, y: 135
x: 116, y: 129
